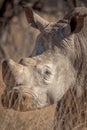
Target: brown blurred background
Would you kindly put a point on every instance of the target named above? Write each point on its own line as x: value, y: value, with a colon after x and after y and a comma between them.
x: 17, y: 40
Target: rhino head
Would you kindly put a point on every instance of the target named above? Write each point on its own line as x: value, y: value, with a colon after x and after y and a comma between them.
x: 42, y: 79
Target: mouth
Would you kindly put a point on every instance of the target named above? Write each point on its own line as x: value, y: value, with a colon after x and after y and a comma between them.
x: 18, y: 99
x: 21, y: 98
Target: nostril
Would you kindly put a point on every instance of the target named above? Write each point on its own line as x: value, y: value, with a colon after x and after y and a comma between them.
x: 8, y: 62
x: 21, y: 61
x: 5, y: 62
x: 5, y: 69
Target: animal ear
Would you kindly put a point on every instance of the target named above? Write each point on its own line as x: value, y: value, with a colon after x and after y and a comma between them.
x: 34, y: 19
x: 76, y: 20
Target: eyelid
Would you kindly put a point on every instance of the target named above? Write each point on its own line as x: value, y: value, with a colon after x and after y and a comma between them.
x: 41, y: 69
x: 47, y: 67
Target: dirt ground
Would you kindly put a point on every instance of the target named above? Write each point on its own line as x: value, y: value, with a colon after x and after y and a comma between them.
x: 34, y: 120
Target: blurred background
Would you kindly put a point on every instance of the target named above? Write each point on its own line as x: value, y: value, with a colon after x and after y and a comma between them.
x: 17, y: 40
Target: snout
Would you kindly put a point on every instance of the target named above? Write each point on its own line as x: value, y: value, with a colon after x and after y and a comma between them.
x: 22, y: 91
x: 14, y: 96
x: 20, y: 101
x: 14, y: 73
x: 22, y: 98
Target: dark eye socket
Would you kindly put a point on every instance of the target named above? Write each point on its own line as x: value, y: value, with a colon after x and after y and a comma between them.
x: 47, y: 72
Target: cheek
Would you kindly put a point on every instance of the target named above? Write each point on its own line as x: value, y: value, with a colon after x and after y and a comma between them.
x: 41, y: 97
x: 59, y: 87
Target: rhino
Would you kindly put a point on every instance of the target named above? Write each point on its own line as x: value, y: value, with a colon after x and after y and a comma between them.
x: 57, y: 64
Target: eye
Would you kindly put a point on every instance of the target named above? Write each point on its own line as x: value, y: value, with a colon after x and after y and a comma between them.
x: 47, y: 74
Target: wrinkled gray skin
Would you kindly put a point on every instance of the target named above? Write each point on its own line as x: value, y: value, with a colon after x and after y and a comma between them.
x: 58, y: 62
